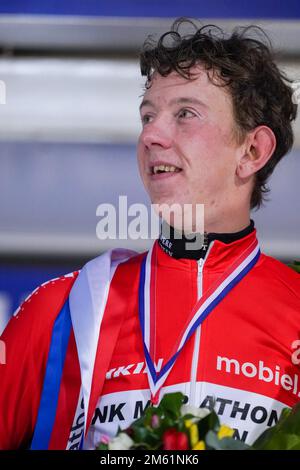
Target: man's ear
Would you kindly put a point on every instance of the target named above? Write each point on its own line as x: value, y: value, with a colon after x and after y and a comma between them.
x: 259, y: 147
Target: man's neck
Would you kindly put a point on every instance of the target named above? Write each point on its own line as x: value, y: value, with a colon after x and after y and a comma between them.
x: 179, y: 246
x: 230, y: 225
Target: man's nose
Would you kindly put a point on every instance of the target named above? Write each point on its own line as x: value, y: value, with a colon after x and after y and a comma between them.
x: 158, y: 132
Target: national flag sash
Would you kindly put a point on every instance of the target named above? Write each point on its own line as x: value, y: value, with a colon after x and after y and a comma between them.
x: 81, y: 317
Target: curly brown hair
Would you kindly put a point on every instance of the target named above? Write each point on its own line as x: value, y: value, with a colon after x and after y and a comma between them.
x: 260, y: 92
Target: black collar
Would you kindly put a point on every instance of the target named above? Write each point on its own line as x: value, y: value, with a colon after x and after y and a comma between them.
x: 175, y: 244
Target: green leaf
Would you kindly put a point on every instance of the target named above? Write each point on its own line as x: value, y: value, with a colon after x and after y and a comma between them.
x: 171, y: 404
x: 212, y: 441
x: 282, y: 435
x: 209, y: 423
x: 282, y: 441
x: 227, y: 443
x: 290, y: 420
x: 140, y: 434
x: 145, y: 446
x: 102, y: 446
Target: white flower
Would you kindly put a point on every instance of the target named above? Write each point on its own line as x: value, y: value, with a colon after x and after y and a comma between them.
x: 199, y: 413
x: 120, y: 442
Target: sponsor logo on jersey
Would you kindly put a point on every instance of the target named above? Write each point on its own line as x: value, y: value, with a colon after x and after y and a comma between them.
x: 260, y: 371
x: 132, y: 369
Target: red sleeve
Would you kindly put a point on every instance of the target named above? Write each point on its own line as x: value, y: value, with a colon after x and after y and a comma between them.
x: 26, y: 342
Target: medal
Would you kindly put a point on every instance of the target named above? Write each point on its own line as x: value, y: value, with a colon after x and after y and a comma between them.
x: 203, y: 307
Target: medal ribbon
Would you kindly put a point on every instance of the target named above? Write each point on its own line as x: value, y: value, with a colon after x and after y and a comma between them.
x: 203, y: 307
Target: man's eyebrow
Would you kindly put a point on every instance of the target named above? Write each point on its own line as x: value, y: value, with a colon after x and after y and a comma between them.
x: 146, y: 103
x: 181, y: 100
x: 188, y: 100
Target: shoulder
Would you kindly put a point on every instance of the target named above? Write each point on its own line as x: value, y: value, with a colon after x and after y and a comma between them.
x: 40, y: 309
x: 43, y: 305
x: 280, y: 275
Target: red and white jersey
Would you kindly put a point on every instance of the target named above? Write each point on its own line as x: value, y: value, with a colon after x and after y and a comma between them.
x: 243, y: 360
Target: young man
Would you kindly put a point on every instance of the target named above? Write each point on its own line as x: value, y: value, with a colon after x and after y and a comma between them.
x: 86, y: 353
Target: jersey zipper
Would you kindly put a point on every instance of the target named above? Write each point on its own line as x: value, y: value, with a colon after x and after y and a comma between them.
x: 196, y: 351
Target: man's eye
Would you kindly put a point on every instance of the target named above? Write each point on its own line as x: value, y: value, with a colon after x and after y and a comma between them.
x: 146, y: 119
x: 186, y: 114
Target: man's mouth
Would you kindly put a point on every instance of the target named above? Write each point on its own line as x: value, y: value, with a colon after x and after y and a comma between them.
x: 158, y: 169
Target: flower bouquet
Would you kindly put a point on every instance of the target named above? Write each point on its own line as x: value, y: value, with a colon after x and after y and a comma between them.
x: 175, y: 426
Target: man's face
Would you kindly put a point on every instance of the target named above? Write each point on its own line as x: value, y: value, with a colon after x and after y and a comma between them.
x: 188, y: 127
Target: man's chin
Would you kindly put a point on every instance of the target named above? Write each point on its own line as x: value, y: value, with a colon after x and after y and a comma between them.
x: 185, y: 217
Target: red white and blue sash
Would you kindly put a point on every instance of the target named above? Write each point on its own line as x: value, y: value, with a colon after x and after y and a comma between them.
x: 82, y: 314
x: 210, y: 299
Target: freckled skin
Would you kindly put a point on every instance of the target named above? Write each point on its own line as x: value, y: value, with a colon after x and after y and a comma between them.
x: 199, y: 138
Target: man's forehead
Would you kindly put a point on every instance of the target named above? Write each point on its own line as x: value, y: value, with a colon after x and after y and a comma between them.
x: 173, y: 82
x: 174, y: 78
x: 176, y: 89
